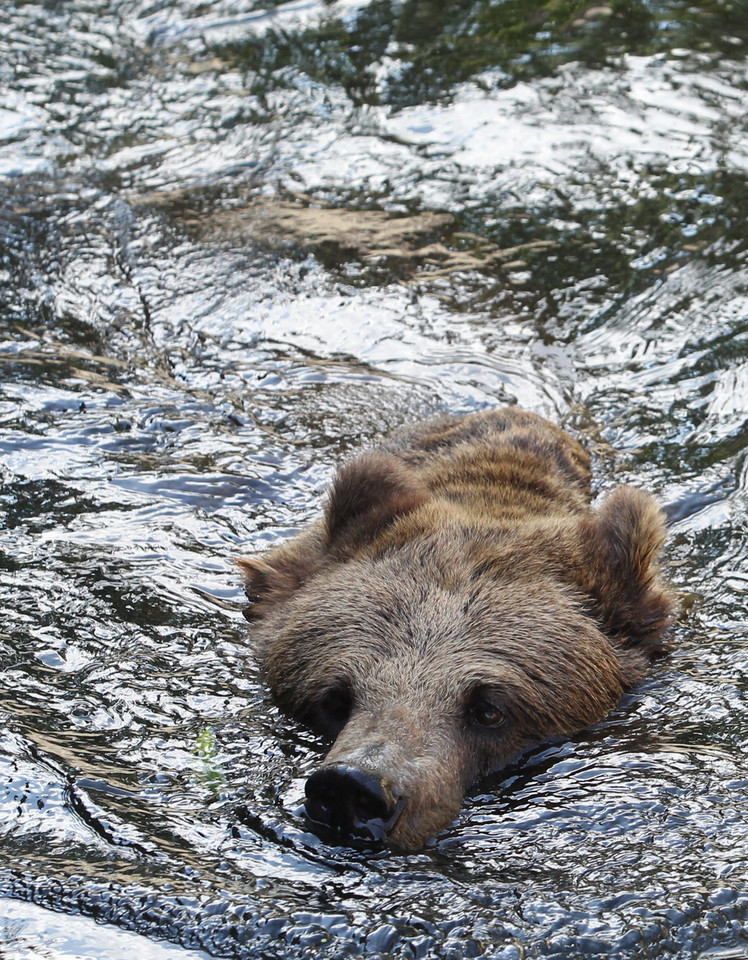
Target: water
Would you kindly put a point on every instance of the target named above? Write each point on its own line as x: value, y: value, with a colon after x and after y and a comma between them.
x: 237, y: 241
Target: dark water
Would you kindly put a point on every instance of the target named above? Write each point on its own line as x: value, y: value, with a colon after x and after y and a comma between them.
x: 235, y: 241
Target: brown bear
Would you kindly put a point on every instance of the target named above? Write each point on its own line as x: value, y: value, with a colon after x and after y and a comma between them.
x: 458, y: 601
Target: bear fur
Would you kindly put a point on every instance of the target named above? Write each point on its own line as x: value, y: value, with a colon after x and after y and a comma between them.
x: 458, y: 601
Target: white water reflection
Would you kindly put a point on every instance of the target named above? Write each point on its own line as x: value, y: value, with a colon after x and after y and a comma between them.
x: 228, y: 19
x: 28, y: 932
x: 523, y: 139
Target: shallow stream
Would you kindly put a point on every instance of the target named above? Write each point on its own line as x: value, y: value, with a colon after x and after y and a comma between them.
x: 236, y: 241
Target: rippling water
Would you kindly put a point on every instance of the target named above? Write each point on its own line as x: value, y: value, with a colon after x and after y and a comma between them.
x: 235, y: 242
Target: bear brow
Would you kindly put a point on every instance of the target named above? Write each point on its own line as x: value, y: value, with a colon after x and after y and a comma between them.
x: 513, y: 682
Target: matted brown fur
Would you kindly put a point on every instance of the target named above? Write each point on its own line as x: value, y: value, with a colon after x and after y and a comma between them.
x: 458, y: 601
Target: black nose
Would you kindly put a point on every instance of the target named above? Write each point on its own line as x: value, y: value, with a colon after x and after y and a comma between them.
x: 353, y: 804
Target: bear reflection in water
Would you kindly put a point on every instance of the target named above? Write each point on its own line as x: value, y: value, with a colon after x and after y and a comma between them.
x: 458, y: 601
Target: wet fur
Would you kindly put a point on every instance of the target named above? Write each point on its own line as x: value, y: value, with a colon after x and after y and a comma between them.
x: 461, y: 556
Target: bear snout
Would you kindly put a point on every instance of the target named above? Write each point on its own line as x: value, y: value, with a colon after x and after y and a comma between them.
x: 355, y: 805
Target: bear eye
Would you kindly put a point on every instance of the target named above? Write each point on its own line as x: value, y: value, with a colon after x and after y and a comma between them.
x: 486, y: 713
x: 334, y: 707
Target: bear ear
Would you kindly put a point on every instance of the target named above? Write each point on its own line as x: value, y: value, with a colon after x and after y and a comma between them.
x: 258, y: 576
x: 367, y: 495
x: 272, y: 577
x: 626, y: 535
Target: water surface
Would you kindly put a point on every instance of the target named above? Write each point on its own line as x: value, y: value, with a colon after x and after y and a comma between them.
x: 236, y: 241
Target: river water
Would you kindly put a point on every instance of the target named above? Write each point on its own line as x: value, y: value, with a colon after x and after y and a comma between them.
x: 236, y: 241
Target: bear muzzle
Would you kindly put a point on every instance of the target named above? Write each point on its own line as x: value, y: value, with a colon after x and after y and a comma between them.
x: 352, y: 805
